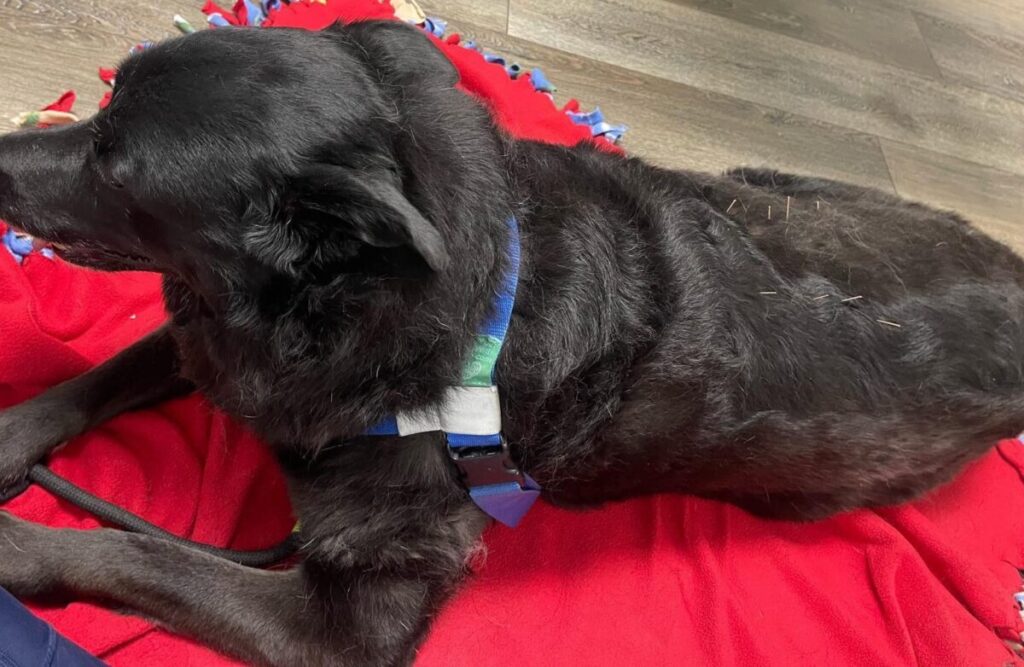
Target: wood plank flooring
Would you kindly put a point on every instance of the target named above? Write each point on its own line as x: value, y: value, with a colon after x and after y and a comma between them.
x: 875, y: 31
x: 676, y: 125
x: 49, y: 46
x: 986, y: 61
x: 924, y: 97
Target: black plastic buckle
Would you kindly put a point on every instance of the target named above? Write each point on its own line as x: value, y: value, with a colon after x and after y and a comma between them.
x: 486, y: 465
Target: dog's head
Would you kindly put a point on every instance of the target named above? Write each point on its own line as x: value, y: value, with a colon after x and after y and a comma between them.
x: 287, y: 150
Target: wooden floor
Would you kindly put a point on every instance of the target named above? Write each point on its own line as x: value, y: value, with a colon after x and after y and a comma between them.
x: 921, y: 97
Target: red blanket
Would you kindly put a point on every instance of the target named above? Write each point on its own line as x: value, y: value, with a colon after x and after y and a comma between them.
x: 657, y: 581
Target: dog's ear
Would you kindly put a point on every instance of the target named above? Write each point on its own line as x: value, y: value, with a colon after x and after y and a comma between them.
x: 368, y: 207
x: 403, y: 54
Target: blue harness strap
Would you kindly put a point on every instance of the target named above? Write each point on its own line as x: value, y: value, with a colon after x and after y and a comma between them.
x: 470, y: 415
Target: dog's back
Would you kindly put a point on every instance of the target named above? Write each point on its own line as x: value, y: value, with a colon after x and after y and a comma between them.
x: 796, y: 345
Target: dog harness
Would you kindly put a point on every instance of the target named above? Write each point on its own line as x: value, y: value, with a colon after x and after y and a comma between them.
x: 470, y: 415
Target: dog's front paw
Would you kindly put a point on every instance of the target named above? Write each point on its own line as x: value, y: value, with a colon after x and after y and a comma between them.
x: 28, y: 557
x: 28, y: 432
x: 17, y: 442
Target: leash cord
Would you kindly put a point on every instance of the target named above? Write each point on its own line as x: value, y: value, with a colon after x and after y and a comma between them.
x: 62, y: 488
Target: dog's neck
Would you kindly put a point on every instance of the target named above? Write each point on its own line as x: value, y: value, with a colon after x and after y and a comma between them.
x: 310, y: 364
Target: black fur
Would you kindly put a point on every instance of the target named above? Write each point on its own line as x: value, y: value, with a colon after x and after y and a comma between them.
x: 329, y: 215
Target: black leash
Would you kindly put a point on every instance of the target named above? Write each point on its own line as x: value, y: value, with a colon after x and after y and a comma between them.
x: 122, y: 518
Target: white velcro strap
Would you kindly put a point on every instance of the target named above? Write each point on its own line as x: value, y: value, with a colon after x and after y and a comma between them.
x: 471, y: 411
x: 411, y: 423
x: 465, y: 410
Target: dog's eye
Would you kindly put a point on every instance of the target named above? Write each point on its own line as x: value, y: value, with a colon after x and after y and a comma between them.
x: 105, y: 172
x: 102, y: 146
x: 102, y: 140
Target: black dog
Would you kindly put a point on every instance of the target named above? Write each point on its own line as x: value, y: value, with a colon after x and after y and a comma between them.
x: 331, y: 218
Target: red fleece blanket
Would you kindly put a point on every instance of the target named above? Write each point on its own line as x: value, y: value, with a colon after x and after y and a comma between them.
x: 657, y: 581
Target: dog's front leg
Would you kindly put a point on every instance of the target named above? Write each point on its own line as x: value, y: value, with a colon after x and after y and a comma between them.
x: 142, y: 374
x: 359, y: 610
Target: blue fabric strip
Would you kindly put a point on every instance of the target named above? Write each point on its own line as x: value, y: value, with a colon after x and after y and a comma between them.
x: 497, y: 324
x: 435, y: 26
x: 217, y: 21
x: 587, y: 118
x: 253, y: 13
x: 387, y: 426
x: 459, y: 440
x: 540, y: 81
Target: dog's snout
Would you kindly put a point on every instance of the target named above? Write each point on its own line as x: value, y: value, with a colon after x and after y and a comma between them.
x: 38, y: 170
x: 6, y: 178
x: 6, y: 186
